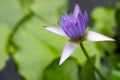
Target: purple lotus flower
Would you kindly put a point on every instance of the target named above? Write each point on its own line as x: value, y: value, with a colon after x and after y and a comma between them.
x: 74, y: 26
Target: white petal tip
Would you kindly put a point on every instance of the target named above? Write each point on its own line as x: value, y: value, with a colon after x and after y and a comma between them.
x: 77, y: 4
x: 111, y: 39
x: 62, y: 59
x: 76, y: 9
x: 60, y: 63
x: 94, y: 36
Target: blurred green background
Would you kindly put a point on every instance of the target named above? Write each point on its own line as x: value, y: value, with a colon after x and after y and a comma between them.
x: 35, y: 52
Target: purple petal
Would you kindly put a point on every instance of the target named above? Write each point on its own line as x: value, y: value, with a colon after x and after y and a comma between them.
x: 86, y: 18
x: 77, y: 10
x: 93, y: 36
x: 55, y: 30
x: 68, y: 50
x: 66, y: 22
x: 81, y: 24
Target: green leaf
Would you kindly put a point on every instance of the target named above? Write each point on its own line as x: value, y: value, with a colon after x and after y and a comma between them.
x: 26, y: 5
x: 87, y: 67
x: 50, y: 11
x: 114, y: 75
x: 117, y: 17
x: 10, y: 12
x: 114, y: 59
x: 4, y: 33
x: 118, y: 65
x: 67, y: 71
x: 37, y: 48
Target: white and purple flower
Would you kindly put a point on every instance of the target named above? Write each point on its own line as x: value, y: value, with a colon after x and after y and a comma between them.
x: 74, y: 26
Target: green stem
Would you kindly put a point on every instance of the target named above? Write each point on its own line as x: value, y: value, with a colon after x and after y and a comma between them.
x: 96, y: 70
